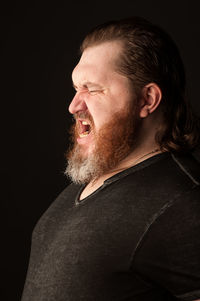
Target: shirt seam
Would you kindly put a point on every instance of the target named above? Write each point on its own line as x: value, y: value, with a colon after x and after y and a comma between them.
x: 184, y: 169
x: 194, y: 294
x: 153, y: 220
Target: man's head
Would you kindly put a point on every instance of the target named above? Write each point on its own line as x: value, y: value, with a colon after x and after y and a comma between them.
x: 105, y: 110
x: 128, y: 70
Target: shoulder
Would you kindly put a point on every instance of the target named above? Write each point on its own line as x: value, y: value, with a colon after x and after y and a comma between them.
x: 189, y: 165
x: 169, y: 253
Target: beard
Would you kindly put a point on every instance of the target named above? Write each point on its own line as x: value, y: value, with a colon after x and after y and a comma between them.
x: 114, y: 141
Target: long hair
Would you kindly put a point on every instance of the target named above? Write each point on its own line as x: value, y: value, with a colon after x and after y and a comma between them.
x: 150, y: 55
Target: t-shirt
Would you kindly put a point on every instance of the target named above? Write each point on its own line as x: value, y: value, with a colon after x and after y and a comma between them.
x: 137, y: 237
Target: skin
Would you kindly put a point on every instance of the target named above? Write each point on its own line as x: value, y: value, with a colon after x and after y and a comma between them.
x: 99, y: 88
x: 102, y: 91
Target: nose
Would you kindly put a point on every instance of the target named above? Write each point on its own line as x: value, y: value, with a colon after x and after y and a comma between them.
x: 77, y: 104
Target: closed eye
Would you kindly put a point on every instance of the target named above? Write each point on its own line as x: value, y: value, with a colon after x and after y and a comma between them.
x: 94, y: 92
x: 90, y: 90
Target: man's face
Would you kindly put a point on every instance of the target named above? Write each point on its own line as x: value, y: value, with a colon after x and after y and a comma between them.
x: 104, y: 108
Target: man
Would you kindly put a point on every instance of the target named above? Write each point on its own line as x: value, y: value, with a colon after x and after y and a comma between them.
x: 128, y: 226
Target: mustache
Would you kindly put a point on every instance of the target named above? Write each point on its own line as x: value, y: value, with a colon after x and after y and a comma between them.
x: 83, y: 115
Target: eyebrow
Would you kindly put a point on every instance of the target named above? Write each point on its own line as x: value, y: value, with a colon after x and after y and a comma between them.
x: 88, y: 84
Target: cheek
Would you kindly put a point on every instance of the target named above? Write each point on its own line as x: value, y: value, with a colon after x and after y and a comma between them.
x: 103, y: 108
x: 100, y: 112
x: 100, y: 117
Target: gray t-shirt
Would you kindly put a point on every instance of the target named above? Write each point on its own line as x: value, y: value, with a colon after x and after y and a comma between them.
x: 135, y: 238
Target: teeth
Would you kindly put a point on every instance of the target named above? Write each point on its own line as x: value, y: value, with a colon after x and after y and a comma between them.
x: 84, y: 134
x: 85, y: 123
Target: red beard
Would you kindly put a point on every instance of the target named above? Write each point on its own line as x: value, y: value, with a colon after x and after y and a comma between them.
x: 113, y: 142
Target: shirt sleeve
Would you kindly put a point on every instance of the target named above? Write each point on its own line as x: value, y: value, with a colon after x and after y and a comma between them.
x: 169, y: 253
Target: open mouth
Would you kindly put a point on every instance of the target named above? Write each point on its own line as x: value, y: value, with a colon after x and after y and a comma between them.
x: 84, y: 128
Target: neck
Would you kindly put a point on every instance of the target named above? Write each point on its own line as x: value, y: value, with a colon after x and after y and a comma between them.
x: 134, y: 158
x: 131, y: 160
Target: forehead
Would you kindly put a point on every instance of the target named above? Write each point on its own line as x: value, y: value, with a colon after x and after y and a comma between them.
x: 97, y: 63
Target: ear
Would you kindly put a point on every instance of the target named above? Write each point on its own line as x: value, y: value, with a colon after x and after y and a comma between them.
x: 150, y: 100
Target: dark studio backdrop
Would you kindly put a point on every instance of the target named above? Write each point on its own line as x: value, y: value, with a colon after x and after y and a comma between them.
x: 40, y: 45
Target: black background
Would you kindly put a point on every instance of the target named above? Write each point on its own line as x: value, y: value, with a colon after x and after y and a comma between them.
x: 40, y: 43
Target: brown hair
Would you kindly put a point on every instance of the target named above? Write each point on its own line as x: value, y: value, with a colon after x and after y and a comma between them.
x: 150, y: 55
